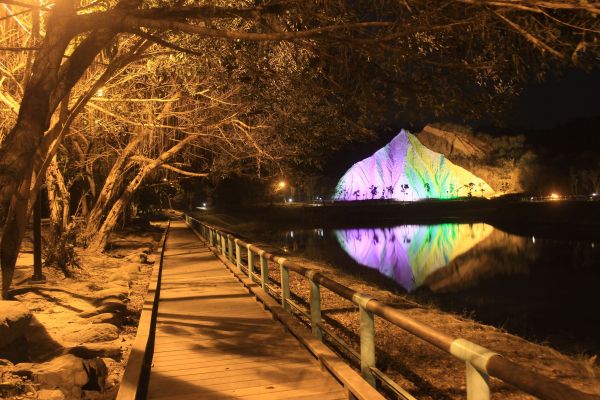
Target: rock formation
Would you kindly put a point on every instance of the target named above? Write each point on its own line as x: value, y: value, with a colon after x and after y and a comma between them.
x: 497, y: 160
x: 407, y: 170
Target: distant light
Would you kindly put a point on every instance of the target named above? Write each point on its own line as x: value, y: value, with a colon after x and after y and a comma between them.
x: 593, y: 245
x: 164, y: 179
x: 533, y: 239
x: 594, y: 194
x: 531, y: 198
x: 281, y: 184
x: 554, y: 196
x: 203, y: 204
x: 290, y: 200
x: 100, y: 92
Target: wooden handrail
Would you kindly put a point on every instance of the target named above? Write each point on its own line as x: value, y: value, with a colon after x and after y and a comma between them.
x: 134, y: 383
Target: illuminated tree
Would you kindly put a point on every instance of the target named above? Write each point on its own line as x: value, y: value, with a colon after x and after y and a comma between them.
x: 352, y: 62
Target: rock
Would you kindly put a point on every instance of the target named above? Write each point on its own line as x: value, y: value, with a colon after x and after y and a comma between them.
x: 68, y: 374
x: 93, y: 350
x: 14, y: 319
x: 109, y: 318
x: 407, y: 170
x: 5, y: 363
x: 107, y: 306
x: 91, y: 333
x: 63, y: 372
x: 118, y: 275
x: 97, y: 374
x: 499, y: 160
x: 48, y: 394
x: 118, y: 293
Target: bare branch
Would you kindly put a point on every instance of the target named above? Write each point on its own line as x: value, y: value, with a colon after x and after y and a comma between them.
x: 530, y: 37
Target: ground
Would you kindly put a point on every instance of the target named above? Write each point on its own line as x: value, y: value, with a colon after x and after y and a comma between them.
x: 93, y: 313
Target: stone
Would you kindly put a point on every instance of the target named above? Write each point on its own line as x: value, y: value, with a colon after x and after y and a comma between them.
x: 63, y: 372
x: 118, y: 293
x: 91, y: 333
x: 93, y: 350
x: 14, y: 319
x: 50, y: 394
x: 406, y: 170
x: 107, y: 317
x: 68, y: 374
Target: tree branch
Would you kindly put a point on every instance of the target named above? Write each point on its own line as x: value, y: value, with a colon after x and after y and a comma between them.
x: 530, y: 37
x: 171, y: 168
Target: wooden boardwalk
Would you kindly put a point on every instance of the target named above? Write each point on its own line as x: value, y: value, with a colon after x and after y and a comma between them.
x: 214, y: 341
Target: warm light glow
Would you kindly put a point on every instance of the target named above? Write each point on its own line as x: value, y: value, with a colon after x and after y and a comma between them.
x: 290, y: 200
x: 281, y: 184
x: 554, y: 196
x: 100, y: 92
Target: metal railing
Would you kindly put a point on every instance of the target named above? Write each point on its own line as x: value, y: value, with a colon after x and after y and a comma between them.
x: 480, y: 363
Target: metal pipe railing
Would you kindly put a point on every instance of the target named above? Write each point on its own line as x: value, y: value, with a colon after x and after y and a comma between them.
x: 480, y: 363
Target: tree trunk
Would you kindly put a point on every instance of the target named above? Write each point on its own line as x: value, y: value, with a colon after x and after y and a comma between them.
x: 100, y: 239
x: 14, y: 230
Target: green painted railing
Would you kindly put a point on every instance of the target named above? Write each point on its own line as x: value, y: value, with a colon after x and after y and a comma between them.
x: 480, y: 363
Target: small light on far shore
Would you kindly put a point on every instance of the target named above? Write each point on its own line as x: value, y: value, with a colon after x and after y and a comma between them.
x: 554, y: 196
x: 203, y: 204
x: 290, y: 200
x: 533, y: 239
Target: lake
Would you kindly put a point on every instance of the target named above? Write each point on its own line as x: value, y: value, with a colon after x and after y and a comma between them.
x: 544, y: 290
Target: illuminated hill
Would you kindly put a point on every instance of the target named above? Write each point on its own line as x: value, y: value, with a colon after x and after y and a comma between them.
x: 406, y: 170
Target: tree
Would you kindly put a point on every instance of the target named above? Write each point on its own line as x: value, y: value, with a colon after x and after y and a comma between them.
x: 352, y: 62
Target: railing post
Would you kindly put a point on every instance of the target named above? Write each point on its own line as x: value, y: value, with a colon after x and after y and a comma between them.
x: 264, y: 270
x: 285, y: 284
x: 230, y: 248
x: 238, y: 255
x: 250, y: 262
x: 477, y: 384
x: 223, y: 245
x: 210, y: 237
x: 367, y: 338
x: 315, y: 305
x: 476, y: 359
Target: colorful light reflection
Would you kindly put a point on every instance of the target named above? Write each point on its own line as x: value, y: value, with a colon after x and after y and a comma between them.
x: 406, y: 170
x: 410, y: 253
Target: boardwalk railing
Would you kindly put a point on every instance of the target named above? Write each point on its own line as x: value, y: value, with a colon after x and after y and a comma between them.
x: 480, y: 363
x: 135, y: 378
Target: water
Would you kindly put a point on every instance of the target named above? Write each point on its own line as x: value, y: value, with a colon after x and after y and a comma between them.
x: 544, y: 290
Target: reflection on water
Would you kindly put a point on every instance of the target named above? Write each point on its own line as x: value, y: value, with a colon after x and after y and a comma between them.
x: 536, y: 287
x: 410, y: 253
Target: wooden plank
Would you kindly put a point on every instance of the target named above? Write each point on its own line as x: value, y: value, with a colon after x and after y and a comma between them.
x: 215, y: 341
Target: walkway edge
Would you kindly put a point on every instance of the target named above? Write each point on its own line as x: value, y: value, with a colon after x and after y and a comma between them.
x: 350, y: 379
x: 134, y: 382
